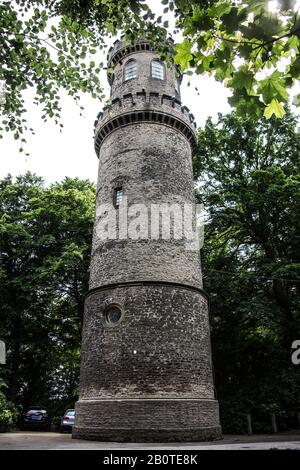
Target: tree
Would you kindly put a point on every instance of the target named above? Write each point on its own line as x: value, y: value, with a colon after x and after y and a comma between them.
x: 45, y: 248
x: 252, y: 50
x: 8, y: 411
x: 248, y: 180
x: 49, y: 45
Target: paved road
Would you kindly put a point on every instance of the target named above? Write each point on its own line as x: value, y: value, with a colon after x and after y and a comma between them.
x: 55, y: 441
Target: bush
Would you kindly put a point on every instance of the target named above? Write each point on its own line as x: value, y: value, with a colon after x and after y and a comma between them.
x: 8, y: 411
x: 56, y: 420
x: 233, y: 418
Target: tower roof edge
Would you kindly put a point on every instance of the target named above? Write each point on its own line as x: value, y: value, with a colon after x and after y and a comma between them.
x: 121, y: 49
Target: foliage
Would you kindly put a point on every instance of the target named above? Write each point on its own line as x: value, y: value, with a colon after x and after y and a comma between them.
x: 233, y: 417
x: 45, y: 247
x: 8, y: 411
x: 50, y: 45
x: 47, y: 46
x: 248, y: 180
x: 252, y: 50
x: 56, y: 420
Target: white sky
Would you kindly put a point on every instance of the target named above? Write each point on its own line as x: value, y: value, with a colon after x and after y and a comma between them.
x: 55, y: 154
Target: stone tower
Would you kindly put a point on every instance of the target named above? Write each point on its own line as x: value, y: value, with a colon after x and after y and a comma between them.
x: 146, y: 372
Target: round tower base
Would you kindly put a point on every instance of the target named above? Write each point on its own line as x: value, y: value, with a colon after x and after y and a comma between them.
x: 147, y: 420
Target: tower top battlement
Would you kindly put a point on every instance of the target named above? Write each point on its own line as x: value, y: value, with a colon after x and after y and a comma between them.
x: 121, y: 49
x: 143, y: 89
x: 149, y: 107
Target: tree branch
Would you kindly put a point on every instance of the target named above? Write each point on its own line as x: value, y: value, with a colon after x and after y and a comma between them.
x: 258, y: 45
x: 38, y: 39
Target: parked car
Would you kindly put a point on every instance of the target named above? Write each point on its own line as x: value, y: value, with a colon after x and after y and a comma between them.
x: 67, y: 421
x: 36, y: 417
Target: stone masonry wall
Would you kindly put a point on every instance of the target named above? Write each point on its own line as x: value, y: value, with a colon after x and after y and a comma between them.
x: 160, y: 348
x: 153, y: 165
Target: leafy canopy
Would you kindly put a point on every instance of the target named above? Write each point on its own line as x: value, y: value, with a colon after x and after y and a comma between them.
x: 244, y: 44
x: 247, y: 172
x: 50, y: 45
x: 45, y: 237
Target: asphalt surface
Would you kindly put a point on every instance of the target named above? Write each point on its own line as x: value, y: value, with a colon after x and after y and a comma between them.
x: 31, y: 440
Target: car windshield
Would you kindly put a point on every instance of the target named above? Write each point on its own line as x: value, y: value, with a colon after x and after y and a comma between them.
x: 70, y: 413
x: 35, y: 410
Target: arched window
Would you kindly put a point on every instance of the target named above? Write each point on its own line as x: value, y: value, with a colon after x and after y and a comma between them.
x: 118, y: 197
x: 130, y: 70
x: 157, y: 70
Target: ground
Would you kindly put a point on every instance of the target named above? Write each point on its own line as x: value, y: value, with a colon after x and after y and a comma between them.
x: 55, y: 441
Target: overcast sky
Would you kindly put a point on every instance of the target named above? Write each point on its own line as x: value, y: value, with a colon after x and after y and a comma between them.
x: 55, y: 155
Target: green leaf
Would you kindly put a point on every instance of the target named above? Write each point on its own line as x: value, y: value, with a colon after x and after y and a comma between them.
x: 231, y: 20
x: 244, y: 78
x: 219, y: 9
x: 294, y: 70
x: 183, y: 54
x: 293, y: 43
x: 200, y: 21
x: 275, y: 108
x: 273, y: 87
x: 256, y: 6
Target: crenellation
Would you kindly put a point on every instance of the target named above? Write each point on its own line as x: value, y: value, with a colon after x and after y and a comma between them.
x: 154, y: 98
x: 116, y: 101
x: 127, y: 101
x: 177, y: 104
x: 142, y: 101
x: 166, y: 100
x: 185, y: 110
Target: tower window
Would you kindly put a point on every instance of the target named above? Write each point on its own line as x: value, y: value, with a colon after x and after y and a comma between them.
x: 113, y: 315
x: 118, y: 196
x: 157, y: 70
x: 130, y: 70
